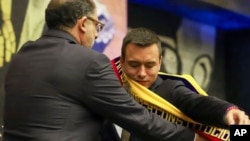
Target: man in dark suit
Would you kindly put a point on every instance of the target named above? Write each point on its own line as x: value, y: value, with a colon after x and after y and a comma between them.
x: 141, y: 60
x: 58, y: 89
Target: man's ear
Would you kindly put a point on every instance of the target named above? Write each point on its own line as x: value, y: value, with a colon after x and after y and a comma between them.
x: 160, y: 60
x: 82, y: 24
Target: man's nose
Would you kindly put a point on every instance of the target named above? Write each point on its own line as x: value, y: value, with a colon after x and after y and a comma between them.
x: 142, y: 72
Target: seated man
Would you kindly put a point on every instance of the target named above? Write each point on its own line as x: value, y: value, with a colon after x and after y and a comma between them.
x: 141, y: 60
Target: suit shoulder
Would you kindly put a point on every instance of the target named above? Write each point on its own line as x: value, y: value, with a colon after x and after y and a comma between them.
x: 171, y: 82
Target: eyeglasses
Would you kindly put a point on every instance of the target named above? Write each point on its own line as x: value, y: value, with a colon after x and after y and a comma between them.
x: 99, y: 25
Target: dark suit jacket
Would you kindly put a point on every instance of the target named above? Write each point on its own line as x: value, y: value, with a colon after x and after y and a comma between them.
x: 57, y: 90
x: 207, y: 110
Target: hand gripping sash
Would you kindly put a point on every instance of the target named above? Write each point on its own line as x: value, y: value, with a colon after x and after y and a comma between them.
x: 166, y: 110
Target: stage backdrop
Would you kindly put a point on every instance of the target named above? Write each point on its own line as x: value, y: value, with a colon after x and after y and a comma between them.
x: 22, y: 20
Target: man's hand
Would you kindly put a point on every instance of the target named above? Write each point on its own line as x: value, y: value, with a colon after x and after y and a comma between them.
x: 237, y: 117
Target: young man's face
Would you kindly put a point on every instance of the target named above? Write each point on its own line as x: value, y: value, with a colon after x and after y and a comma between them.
x: 142, y: 64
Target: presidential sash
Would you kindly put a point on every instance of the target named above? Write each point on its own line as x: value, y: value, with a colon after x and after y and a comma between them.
x: 165, y: 109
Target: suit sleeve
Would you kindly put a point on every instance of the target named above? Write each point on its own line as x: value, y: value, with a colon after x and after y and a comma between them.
x: 105, y: 96
x: 206, y: 109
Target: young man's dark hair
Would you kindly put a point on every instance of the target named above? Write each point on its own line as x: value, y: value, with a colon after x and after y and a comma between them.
x: 142, y: 37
